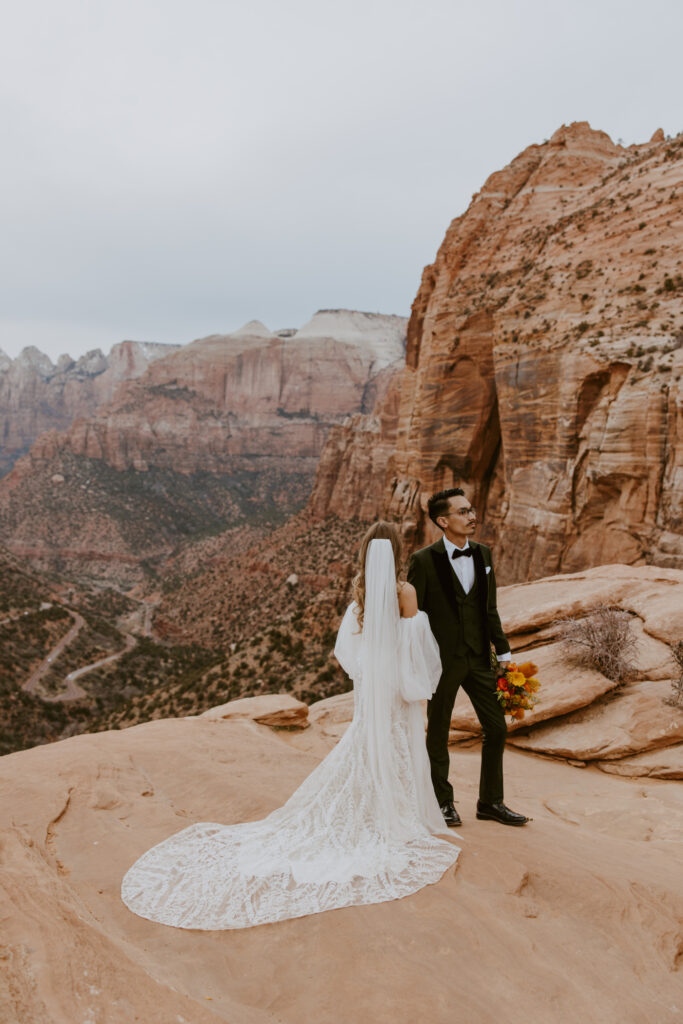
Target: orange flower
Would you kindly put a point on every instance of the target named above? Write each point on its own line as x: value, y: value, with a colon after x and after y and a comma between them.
x: 528, y: 669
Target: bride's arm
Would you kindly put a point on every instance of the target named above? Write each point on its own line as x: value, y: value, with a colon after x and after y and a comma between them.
x: 407, y: 601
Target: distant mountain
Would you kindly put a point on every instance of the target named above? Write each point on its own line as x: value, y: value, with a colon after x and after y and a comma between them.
x: 37, y: 395
x: 222, y: 432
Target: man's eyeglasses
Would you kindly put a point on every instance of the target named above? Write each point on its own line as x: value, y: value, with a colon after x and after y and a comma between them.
x: 469, y: 512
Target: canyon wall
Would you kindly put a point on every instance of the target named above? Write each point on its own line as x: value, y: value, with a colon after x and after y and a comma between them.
x: 543, y: 367
x: 223, y: 432
x: 37, y: 395
x: 250, y: 394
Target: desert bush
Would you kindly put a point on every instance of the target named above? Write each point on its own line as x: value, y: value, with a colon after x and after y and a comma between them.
x: 676, y: 696
x: 602, y: 640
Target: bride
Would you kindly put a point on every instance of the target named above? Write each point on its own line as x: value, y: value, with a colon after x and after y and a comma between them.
x: 360, y: 828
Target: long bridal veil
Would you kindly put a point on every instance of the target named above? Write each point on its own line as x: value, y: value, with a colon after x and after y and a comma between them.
x: 378, y: 676
x: 358, y: 830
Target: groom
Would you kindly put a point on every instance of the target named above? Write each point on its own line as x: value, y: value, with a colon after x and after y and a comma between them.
x: 456, y: 587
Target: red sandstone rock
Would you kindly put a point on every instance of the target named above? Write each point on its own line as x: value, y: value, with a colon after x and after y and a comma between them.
x: 245, y: 416
x: 333, y: 715
x: 351, y: 474
x: 37, y: 396
x: 543, y: 365
x: 252, y: 393
x: 600, y: 852
x: 638, y: 719
x: 662, y: 763
x: 273, y: 709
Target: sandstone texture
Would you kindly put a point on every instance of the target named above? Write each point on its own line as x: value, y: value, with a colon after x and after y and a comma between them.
x: 554, y: 896
x: 662, y: 763
x: 602, y: 848
x: 333, y: 715
x: 638, y: 719
x: 37, y: 395
x: 274, y: 709
x: 526, y: 608
x: 543, y: 366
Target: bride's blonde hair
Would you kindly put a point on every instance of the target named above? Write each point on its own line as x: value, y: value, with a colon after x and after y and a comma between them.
x: 378, y: 531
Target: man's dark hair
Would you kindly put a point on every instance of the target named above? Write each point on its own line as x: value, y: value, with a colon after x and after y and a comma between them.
x: 438, y: 503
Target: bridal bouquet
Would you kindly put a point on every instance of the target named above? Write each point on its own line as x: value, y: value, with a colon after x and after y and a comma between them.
x: 517, y: 688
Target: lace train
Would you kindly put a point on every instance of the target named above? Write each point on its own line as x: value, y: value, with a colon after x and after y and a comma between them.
x: 341, y: 839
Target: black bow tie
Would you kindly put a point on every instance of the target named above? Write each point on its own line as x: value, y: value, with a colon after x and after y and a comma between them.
x: 462, y: 553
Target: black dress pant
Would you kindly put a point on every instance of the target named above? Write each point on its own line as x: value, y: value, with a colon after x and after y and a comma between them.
x: 478, y: 680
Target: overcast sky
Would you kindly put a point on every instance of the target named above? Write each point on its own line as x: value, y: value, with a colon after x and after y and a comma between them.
x: 175, y: 168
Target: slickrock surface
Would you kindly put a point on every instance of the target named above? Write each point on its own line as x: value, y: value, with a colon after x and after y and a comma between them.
x: 612, y: 723
x: 222, y: 432
x: 274, y: 709
x: 37, y: 395
x: 575, y: 917
x: 654, y: 594
x: 637, y: 719
x: 333, y: 714
x: 544, y: 363
x: 662, y: 763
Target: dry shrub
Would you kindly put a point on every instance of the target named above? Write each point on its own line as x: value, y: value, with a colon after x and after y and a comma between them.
x: 602, y: 640
x: 676, y: 696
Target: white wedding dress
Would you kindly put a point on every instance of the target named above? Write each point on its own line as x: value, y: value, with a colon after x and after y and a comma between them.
x: 360, y: 829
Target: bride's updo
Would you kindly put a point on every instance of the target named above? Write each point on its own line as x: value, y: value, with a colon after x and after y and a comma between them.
x: 378, y: 531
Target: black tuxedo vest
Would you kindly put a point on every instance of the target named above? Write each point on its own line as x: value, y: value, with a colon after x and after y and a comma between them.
x: 469, y: 633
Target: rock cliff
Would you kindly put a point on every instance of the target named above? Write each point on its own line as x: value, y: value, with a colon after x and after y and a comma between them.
x: 223, y: 431
x: 543, y: 366
x: 250, y: 394
x: 37, y: 395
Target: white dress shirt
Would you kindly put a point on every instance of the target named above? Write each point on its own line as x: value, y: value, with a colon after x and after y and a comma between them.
x: 462, y: 567
x: 464, y: 570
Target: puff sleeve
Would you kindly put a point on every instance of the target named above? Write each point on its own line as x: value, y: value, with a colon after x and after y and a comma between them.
x: 419, y: 660
x: 347, y: 647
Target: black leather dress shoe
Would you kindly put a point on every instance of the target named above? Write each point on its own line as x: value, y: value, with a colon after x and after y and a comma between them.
x: 499, y: 812
x: 450, y: 815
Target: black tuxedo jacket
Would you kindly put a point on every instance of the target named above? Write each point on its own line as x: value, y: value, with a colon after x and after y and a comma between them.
x: 451, y: 615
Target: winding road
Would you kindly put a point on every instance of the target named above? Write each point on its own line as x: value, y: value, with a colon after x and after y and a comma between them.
x: 32, y: 683
x: 72, y: 690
